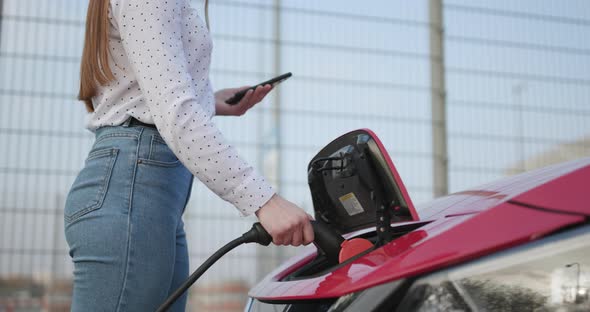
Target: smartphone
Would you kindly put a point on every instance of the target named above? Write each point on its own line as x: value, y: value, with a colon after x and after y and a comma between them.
x: 274, y: 81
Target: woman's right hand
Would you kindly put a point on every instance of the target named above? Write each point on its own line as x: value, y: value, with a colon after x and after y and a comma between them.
x: 285, y: 222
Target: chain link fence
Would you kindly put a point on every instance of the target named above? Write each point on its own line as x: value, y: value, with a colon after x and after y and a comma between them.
x: 516, y: 77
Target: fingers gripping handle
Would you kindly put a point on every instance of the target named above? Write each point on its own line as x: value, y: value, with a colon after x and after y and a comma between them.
x: 327, y: 241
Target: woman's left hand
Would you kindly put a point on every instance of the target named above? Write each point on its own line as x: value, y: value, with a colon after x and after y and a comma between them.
x: 248, y: 101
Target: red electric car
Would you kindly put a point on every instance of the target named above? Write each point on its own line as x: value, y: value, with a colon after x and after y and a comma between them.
x: 518, y: 244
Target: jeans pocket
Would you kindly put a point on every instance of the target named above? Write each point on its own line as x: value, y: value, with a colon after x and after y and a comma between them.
x: 160, y: 154
x: 90, y: 187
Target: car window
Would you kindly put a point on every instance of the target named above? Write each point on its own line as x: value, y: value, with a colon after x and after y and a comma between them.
x: 548, y: 275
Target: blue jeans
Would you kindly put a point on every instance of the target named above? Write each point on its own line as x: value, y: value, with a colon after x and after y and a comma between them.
x: 123, y: 222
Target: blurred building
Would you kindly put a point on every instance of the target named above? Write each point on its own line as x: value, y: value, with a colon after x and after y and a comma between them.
x: 512, y: 79
x: 560, y: 153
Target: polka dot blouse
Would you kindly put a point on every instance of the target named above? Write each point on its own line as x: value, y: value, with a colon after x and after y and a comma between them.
x: 160, y: 56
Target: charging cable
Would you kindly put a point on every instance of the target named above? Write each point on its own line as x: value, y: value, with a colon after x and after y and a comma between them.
x: 329, y: 243
x: 257, y: 234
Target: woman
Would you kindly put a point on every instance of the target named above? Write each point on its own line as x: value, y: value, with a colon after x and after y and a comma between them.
x: 145, y: 78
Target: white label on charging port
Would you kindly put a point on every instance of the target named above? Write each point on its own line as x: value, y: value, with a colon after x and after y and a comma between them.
x: 351, y: 204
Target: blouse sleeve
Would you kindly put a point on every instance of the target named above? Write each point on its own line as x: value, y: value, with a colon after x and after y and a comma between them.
x: 151, y: 35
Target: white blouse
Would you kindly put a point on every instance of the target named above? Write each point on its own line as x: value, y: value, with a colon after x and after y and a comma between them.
x: 160, y: 56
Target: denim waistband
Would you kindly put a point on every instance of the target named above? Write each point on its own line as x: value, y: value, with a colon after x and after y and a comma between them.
x: 141, y: 141
x: 131, y: 127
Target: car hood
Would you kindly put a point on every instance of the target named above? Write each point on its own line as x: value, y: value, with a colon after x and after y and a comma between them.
x: 460, y: 227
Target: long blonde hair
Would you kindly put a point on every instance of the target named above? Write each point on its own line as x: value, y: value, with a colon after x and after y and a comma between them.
x: 94, y: 66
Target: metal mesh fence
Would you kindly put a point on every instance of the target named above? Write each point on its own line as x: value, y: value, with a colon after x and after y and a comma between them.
x: 516, y: 93
x: 517, y: 86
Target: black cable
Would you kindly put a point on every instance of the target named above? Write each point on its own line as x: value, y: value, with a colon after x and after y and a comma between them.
x: 256, y: 234
x: 326, y: 240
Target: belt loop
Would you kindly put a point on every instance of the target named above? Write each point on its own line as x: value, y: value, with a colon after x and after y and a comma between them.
x: 127, y: 122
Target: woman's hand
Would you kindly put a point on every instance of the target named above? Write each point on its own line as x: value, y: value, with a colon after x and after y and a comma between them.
x: 250, y: 99
x: 285, y: 222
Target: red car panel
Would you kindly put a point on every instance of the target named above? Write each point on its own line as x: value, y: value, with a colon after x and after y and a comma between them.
x: 527, y: 184
x: 568, y: 193
x: 465, y: 226
x: 433, y: 246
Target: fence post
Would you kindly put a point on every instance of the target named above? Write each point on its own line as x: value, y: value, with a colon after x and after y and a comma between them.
x: 277, y: 102
x: 1, y: 12
x: 440, y: 169
x: 273, y: 256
